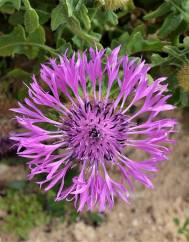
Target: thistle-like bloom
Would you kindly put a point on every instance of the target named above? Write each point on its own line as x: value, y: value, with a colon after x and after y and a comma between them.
x: 110, y: 107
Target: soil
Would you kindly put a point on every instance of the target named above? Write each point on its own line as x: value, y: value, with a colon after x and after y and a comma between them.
x: 148, y: 218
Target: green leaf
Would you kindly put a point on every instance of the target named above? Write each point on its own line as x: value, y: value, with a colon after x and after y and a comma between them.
x: 9, y: 42
x: 170, y: 24
x: 77, y: 42
x: 62, y: 46
x: 37, y: 37
x: 182, y: 7
x: 31, y: 20
x: 162, y: 10
x: 157, y: 60
x: 186, y: 42
x: 79, y: 4
x: 58, y: 17
x: 186, y: 17
x: 15, y: 3
x: 7, y: 9
x: 103, y: 19
x: 17, y: 43
x: 185, y: 5
x: 139, y: 28
x: 82, y: 14
x: 16, y: 18
x: 91, y: 39
x: 26, y: 4
x: 44, y: 16
x: 19, y: 74
x: 175, y: 35
x: 69, y: 6
x: 111, y: 17
x: 137, y: 43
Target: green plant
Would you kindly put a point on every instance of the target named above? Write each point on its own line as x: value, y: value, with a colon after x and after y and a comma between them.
x: 23, y: 212
x: 183, y: 228
x: 39, y: 29
x: 26, y: 208
x: 175, y: 18
x: 71, y: 23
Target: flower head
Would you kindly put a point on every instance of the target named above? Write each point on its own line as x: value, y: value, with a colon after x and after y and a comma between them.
x: 94, y: 129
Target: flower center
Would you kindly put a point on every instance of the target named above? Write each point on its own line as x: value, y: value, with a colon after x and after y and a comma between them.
x: 95, y: 131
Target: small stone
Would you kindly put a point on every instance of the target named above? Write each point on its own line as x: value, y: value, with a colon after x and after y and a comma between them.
x: 84, y: 233
x: 3, y: 169
x: 135, y: 222
x: 3, y: 214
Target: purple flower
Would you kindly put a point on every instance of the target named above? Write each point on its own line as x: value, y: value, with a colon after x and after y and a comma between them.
x: 94, y: 130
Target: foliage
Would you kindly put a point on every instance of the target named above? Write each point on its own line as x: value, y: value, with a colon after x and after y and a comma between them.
x: 23, y: 212
x: 183, y: 228
x: 40, y: 29
x: 25, y: 207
